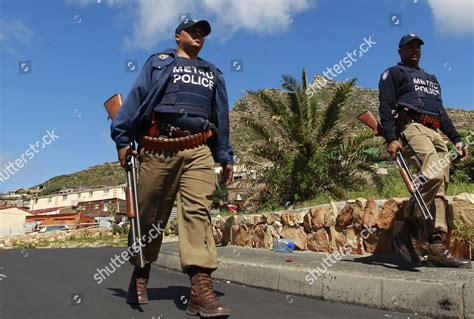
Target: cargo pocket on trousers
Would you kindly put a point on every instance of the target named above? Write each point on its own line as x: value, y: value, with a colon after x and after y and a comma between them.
x: 410, y: 131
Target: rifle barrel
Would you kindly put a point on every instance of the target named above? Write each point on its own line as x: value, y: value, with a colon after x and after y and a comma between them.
x: 412, y: 186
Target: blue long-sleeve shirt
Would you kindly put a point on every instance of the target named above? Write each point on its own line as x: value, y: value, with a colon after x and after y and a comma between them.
x: 148, y: 89
x: 393, y: 85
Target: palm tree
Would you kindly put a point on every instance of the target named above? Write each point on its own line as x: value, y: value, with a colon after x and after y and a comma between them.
x: 305, y: 147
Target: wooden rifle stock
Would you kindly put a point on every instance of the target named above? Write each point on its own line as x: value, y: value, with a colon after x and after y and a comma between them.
x: 369, y: 119
x: 112, y: 106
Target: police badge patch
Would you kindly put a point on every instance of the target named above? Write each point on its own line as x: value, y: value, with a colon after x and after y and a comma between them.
x: 163, y: 56
x: 385, y: 75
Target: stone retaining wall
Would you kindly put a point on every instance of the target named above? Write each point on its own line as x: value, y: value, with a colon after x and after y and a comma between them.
x: 63, y: 239
x: 328, y: 228
x: 30, y: 240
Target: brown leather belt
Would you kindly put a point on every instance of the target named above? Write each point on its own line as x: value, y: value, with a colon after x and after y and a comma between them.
x: 426, y: 120
x: 173, y: 145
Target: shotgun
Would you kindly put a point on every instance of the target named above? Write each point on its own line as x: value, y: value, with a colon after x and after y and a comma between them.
x: 369, y: 119
x: 112, y: 105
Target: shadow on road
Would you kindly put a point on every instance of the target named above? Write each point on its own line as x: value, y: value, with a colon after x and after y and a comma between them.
x: 178, y: 294
x: 388, y: 261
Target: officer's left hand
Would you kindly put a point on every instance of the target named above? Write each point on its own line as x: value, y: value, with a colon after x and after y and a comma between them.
x: 462, y: 150
x: 227, y: 174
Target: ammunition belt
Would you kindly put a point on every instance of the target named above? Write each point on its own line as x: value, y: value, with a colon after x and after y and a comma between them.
x: 170, y: 143
x: 426, y: 120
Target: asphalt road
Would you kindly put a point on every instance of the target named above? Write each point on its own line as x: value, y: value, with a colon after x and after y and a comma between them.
x: 60, y: 283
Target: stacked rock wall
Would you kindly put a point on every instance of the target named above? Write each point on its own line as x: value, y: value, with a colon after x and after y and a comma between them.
x: 364, y: 225
x: 30, y: 240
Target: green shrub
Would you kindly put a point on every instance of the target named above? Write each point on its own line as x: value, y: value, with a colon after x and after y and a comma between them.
x: 116, y: 229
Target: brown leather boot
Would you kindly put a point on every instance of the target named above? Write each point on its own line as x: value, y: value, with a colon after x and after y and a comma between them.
x: 203, y: 300
x: 137, y: 293
x: 439, y: 256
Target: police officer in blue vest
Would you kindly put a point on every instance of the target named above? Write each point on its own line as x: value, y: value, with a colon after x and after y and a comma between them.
x: 412, y: 116
x: 177, y: 111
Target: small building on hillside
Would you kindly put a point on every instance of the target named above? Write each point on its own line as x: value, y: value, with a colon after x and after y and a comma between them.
x: 12, y: 220
x: 104, y: 208
x: 15, y: 200
x: 73, y: 198
x: 72, y: 220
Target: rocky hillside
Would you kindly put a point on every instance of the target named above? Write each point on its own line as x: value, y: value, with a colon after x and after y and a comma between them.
x: 362, y: 99
x: 108, y: 174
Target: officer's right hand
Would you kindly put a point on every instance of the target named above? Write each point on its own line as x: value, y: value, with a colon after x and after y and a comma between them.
x: 123, y: 152
x: 393, y: 147
x: 227, y: 174
x: 462, y: 150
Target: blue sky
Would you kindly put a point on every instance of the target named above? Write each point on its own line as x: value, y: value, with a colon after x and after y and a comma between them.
x: 77, y: 52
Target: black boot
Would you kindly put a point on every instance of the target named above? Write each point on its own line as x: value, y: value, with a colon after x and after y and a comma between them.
x: 439, y: 256
x: 403, y: 245
x: 137, y: 293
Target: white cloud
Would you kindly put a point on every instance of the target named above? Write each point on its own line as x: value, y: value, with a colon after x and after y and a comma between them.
x: 13, y: 33
x: 158, y: 18
x: 262, y: 16
x: 155, y: 20
x: 13, y: 30
x: 453, y: 17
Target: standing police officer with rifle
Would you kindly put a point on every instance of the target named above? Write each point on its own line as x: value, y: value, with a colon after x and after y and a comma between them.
x: 411, y: 112
x: 177, y: 111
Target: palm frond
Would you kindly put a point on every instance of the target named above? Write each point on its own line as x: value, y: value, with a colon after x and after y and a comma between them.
x: 332, y: 114
x: 300, y: 106
x: 290, y: 83
x: 304, y: 80
x: 357, y: 143
x: 334, y: 138
x: 260, y: 127
x: 271, y: 103
x: 312, y: 113
x: 271, y: 152
x: 296, y: 95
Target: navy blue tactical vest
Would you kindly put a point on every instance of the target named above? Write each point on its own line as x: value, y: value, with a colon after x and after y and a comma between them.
x: 190, y: 89
x: 423, y: 93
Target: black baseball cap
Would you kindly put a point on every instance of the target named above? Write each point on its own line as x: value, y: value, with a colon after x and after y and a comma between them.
x: 408, y: 38
x: 188, y: 23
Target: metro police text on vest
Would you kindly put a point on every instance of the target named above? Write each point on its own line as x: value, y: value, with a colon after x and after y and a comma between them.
x: 196, y: 76
x: 426, y: 86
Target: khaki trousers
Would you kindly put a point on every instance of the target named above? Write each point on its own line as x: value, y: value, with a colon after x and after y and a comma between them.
x: 189, y: 177
x: 433, y: 162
